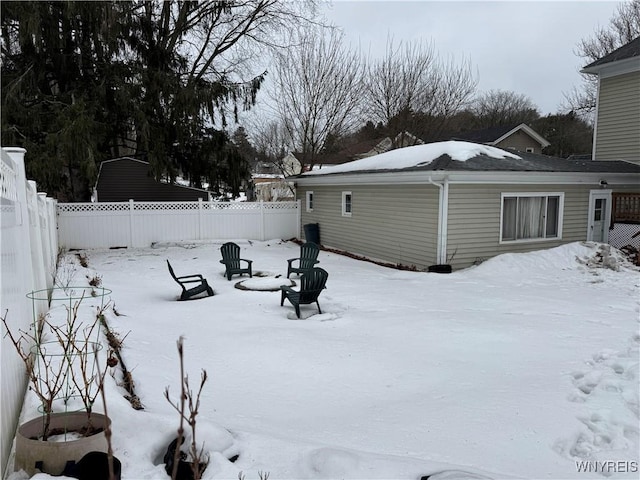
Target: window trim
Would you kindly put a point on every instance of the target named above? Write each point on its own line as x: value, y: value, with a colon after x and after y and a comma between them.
x: 558, y: 237
x: 309, y: 201
x: 346, y: 213
x: 530, y: 150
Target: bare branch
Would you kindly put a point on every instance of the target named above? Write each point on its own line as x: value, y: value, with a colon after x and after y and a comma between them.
x: 318, y: 90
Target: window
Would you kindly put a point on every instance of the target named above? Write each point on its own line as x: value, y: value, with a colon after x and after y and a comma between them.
x: 529, y: 150
x: 309, y: 201
x: 346, y: 204
x: 531, y: 216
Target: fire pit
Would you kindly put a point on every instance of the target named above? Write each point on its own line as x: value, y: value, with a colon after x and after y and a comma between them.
x: 264, y: 284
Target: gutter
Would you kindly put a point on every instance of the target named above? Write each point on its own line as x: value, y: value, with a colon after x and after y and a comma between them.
x: 514, y: 177
x: 443, y: 214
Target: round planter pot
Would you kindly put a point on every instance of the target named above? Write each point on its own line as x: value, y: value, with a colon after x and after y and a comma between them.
x: 54, y: 455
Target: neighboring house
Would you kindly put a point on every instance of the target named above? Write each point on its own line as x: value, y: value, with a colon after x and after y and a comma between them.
x: 272, y: 188
x: 459, y: 203
x: 617, y: 128
x: 520, y: 137
x: 124, y: 179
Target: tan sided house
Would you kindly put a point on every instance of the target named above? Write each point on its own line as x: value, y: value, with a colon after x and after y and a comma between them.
x: 617, y: 128
x: 459, y: 203
x: 617, y: 132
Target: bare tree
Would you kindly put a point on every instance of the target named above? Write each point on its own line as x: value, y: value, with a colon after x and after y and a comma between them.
x: 412, y: 79
x: 317, y: 89
x: 270, y: 141
x: 503, y: 107
x: 623, y: 27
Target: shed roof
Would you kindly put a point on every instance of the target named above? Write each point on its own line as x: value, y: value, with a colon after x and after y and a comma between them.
x: 125, y: 178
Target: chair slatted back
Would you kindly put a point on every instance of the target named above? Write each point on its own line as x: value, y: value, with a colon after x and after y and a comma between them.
x: 312, y: 283
x: 172, y: 273
x: 231, y: 255
x: 308, y: 255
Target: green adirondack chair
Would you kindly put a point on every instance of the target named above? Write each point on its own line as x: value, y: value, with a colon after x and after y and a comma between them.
x: 232, y: 261
x: 189, y: 292
x: 308, y: 258
x: 312, y: 283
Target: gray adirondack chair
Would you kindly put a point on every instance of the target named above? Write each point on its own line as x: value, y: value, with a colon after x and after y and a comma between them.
x: 232, y: 261
x: 312, y: 283
x: 308, y: 258
x: 189, y: 292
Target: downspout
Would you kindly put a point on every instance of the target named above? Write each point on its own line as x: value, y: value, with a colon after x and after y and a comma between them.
x: 443, y: 213
x: 594, y: 143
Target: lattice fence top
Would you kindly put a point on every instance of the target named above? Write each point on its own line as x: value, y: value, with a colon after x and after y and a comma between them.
x: 8, y: 189
x: 622, y: 234
x: 172, y: 206
x: 280, y: 205
x: 92, y: 207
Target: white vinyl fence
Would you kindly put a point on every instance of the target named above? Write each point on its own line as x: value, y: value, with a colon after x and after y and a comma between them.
x: 28, y: 252
x: 140, y: 224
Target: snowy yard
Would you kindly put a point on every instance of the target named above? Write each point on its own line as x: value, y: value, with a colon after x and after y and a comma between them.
x: 523, y: 367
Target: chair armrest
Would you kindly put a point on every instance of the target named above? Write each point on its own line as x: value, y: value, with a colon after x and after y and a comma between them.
x: 187, y: 277
x: 287, y: 288
x: 245, y: 260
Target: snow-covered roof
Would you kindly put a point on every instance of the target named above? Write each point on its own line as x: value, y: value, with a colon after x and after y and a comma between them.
x: 417, y: 156
x: 468, y: 158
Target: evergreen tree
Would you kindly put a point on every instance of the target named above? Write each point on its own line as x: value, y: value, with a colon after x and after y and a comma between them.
x: 87, y: 81
x: 57, y: 82
x: 241, y: 141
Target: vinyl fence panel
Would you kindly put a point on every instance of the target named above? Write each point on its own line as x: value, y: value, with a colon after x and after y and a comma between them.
x: 140, y: 224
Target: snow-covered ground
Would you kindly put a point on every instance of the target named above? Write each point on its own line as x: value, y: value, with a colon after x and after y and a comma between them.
x: 523, y: 367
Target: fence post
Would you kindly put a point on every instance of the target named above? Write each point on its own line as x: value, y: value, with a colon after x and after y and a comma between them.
x: 53, y: 235
x: 200, y: 229
x: 298, y: 218
x: 262, y: 228
x: 45, y: 226
x: 131, y: 223
x: 37, y: 255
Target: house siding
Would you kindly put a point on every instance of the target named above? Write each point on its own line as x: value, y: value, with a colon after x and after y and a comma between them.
x: 399, y: 224
x: 395, y: 224
x: 618, y: 122
x: 520, y: 141
x: 474, y: 221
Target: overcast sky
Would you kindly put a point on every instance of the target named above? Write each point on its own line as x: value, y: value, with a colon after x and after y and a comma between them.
x: 522, y: 46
